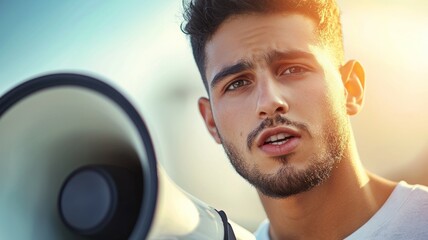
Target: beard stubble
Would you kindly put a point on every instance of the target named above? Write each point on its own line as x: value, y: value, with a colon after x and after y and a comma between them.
x: 288, y: 180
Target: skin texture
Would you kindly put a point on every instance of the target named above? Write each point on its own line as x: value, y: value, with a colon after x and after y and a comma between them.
x: 268, y: 74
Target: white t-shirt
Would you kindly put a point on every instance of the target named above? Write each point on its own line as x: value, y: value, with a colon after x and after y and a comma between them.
x: 404, y: 215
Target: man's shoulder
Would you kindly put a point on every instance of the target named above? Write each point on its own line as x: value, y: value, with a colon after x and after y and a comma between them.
x: 417, y: 200
x: 406, y: 200
x: 414, y: 192
x: 420, y: 188
x: 405, y: 212
x: 410, y: 217
x: 413, y: 200
x: 403, y: 216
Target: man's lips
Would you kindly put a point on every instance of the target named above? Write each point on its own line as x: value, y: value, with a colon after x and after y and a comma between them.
x: 278, y: 141
x: 276, y: 136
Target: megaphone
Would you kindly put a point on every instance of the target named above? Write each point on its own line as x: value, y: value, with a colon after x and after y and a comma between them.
x: 77, y: 162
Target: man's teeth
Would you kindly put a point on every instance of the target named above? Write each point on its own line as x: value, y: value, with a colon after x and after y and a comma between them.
x: 278, y: 139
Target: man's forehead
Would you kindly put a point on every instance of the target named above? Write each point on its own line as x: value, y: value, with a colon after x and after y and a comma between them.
x: 258, y: 37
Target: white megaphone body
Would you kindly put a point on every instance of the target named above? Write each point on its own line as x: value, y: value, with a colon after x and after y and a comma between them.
x: 77, y: 162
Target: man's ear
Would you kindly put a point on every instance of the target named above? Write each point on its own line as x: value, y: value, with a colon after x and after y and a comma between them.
x: 207, y: 114
x: 353, y: 78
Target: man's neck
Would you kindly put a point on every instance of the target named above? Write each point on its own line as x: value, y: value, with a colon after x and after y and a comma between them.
x: 332, y: 210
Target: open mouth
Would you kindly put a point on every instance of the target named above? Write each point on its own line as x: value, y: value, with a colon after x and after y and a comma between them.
x: 278, y: 139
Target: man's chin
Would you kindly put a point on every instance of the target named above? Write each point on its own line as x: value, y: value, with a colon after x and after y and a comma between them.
x: 288, y: 181
x: 284, y: 193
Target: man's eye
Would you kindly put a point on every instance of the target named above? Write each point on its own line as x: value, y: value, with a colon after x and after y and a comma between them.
x: 237, y: 84
x: 293, y: 70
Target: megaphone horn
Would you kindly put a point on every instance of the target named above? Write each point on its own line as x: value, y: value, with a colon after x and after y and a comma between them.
x: 77, y: 162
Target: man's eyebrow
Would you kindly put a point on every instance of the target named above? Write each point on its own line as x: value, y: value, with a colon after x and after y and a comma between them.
x: 294, y: 54
x: 230, y: 70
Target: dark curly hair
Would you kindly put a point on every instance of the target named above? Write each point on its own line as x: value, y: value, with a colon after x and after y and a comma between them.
x: 203, y: 17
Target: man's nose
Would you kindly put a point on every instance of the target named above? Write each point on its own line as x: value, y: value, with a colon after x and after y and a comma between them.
x: 271, y: 100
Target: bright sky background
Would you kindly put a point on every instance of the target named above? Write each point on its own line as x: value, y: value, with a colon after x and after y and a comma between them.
x: 138, y: 47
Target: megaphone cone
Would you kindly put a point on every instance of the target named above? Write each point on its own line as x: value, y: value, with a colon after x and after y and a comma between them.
x: 77, y: 162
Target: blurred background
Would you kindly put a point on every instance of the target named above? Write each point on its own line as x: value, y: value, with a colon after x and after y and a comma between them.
x: 139, y: 48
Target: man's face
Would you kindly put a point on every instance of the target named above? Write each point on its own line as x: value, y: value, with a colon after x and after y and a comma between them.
x: 277, y: 102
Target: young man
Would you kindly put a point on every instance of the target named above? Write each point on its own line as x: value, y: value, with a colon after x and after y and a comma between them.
x: 280, y: 97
